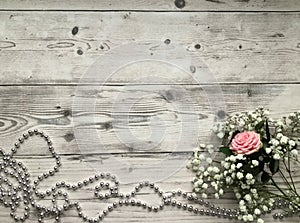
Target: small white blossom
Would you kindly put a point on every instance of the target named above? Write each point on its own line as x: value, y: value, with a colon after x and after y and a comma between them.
x: 250, y: 217
x: 232, y: 166
x: 216, y: 169
x: 284, y: 140
x: 245, y: 186
x: 260, y: 220
x: 249, y: 176
x: 199, y: 182
x: 292, y: 143
x: 239, y: 175
x: 294, y: 152
x: 204, y: 195
x: 201, y: 168
x: 265, y: 208
x: 209, y: 169
x: 279, y: 135
x: 220, y: 135
x: 196, y: 162
x: 233, y: 175
x: 255, y: 163
x: 268, y: 150
x: 240, y: 157
x: 257, y: 211
x: 215, y: 128
x: 275, y: 142
x: 217, y: 177
x: 201, y: 157
x: 238, y: 195
x: 245, y: 218
x: 228, y: 180
x: 232, y: 158
x: 276, y: 156
x: 208, y: 160
x: 247, y: 197
x: 221, y: 192
x: 243, y: 209
x: 226, y: 165
x: 239, y: 165
x: 202, y: 146
x: 204, y: 186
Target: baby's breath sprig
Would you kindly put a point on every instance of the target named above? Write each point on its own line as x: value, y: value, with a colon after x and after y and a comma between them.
x: 261, y: 156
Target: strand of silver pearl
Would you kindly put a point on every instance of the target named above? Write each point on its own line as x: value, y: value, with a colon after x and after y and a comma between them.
x: 26, y: 192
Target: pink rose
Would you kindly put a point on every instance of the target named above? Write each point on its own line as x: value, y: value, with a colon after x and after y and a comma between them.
x: 246, y: 143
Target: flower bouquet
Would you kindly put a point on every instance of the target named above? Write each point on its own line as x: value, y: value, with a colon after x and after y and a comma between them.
x: 260, y: 157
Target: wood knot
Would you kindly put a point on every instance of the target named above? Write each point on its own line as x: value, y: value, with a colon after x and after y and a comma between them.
x: 69, y: 137
x: 221, y: 114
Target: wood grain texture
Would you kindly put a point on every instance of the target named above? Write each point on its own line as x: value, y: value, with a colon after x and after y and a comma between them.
x: 51, y: 108
x: 39, y: 48
x: 155, y: 5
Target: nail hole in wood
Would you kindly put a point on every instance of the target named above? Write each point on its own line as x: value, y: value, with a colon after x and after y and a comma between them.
x: 167, y: 41
x: 179, y: 3
x: 197, y: 46
x: 75, y: 30
x: 79, y: 52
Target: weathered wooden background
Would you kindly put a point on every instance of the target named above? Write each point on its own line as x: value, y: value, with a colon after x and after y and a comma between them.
x: 251, y: 47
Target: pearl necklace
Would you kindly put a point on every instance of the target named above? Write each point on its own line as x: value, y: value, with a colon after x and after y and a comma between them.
x: 26, y: 192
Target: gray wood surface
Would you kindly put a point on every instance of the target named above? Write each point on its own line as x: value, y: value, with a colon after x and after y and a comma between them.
x: 155, y: 5
x: 250, y: 47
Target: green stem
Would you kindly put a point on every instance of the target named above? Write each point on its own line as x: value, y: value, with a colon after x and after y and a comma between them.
x: 274, y: 183
x: 289, y: 171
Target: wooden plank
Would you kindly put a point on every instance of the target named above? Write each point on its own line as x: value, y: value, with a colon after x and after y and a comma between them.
x: 50, y: 108
x: 135, y: 214
x: 236, y: 47
x: 75, y: 168
x: 155, y: 5
x: 80, y: 167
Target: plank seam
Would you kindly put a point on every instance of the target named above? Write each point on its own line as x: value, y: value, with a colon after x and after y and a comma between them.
x: 140, y: 10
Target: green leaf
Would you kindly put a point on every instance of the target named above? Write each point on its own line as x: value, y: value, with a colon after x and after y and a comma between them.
x: 274, y: 166
x: 268, y: 131
x: 226, y: 151
x: 233, y: 135
x: 254, y: 171
x: 259, y: 125
x: 265, y: 177
x: 267, y: 159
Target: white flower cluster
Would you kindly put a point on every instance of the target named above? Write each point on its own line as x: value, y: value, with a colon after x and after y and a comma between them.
x: 281, y: 145
x: 208, y: 178
x: 243, y: 174
x: 245, y: 121
x: 211, y: 179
